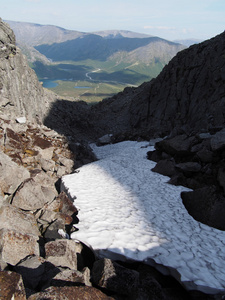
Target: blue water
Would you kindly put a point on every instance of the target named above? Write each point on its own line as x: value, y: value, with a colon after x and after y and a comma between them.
x: 82, y: 87
x: 48, y: 83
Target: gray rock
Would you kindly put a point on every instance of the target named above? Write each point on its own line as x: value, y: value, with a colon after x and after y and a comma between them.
x: 12, y: 218
x: 62, y: 253
x: 189, y: 167
x: 16, y: 246
x: 69, y: 277
x: 9, y: 182
x: 26, y: 91
x: 218, y: 140
x: 30, y: 196
x: 112, y: 276
x: 104, y: 140
x: 179, y: 145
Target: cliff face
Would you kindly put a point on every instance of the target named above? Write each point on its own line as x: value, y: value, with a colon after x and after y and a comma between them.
x: 21, y: 94
x: 190, y: 92
x: 188, y: 95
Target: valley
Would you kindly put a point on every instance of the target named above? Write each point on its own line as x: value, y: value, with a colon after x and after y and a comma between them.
x: 105, y: 61
x: 101, y: 79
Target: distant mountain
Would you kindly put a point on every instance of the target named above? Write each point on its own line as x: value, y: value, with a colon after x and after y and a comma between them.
x: 120, y: 33
x: 35, y: 34
x: 120, y: 55
x: 188, y: 42
x: 98, y: 48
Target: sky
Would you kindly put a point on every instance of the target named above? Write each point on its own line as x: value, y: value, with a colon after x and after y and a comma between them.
x: 174, y: 19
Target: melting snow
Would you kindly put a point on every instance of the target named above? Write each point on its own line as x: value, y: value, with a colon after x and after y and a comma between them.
x: 126, y: 210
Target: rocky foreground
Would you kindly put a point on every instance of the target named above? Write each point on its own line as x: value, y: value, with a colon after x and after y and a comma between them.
x: 38, y: 260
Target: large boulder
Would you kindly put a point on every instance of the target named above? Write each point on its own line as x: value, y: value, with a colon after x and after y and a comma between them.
x: 16, y: 246
x: 9, y: 183
x: 206, y: 205
x: 12, y: 218
x: 62, y: 253
x: 114, y: 277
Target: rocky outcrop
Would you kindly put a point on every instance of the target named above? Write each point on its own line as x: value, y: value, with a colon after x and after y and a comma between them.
x: 20, y: 89
x: 197, y: 162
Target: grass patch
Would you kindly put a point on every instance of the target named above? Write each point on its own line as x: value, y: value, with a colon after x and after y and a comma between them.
x: 90, y: 92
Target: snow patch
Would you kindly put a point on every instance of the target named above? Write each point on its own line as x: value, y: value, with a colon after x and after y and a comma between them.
x: 127, y: 211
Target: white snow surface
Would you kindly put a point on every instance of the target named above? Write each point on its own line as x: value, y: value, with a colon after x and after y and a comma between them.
x: 128, y: 211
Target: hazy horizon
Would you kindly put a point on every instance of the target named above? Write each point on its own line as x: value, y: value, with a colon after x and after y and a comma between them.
x: 171, y: 20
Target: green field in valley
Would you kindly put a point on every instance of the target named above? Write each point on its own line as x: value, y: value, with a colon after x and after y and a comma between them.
x: 92, y: 80
x: 90, y: 92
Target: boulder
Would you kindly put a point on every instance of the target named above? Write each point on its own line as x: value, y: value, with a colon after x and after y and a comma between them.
x: 72, y: 277
x: 114, y: 277
x: 9, y: 182
x: 16, y: 246
x: 179, y: 145
x: 12, y: 218
x: 30, y: 196
x: 70, y: 293
x: 11, y: 286
x: 62, y: 253
x: 165, y: 167
x: 104, y: 140
x: 206, y: 205
x: 66, y: 205
x: 218, y: 140
x: 189, y: 167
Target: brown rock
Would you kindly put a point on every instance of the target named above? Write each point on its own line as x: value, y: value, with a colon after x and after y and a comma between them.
x: 16, y: 246
x: 70, y: 293
x: 42, y: 143
x: 67, y: 206
x: 11, y: 286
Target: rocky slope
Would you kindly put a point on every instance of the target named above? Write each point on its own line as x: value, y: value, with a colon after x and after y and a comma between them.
x: 20, y: 92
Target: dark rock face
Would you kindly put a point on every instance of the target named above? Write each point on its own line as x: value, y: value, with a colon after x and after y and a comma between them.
x: 196, y: 162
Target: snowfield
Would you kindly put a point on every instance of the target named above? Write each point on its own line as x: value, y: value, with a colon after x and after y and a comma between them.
x: 127, y: 211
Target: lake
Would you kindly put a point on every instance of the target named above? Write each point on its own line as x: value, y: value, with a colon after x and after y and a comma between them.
x: 48, y: 83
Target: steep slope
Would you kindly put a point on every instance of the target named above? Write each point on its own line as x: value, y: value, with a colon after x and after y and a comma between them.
x: 187, y: 95
x: 21, y: 94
